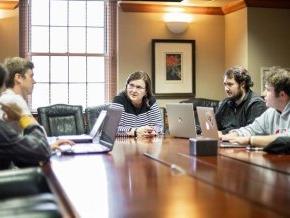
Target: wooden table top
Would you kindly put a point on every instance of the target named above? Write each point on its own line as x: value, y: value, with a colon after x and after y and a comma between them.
x: 125, y: 183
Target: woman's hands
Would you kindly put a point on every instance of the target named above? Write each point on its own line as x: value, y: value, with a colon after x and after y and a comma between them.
x: 144, y: 131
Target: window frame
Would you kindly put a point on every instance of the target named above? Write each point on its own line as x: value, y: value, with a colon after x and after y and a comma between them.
x: 110, y: 60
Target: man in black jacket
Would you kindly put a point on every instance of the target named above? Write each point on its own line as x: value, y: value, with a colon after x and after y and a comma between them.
x: 241, y: 106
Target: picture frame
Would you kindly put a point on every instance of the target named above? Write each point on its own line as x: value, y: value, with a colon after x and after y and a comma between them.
x: 263, y: 73
x: 173, y: 68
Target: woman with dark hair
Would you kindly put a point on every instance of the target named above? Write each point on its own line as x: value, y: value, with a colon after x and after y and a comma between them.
x: 141, y: 115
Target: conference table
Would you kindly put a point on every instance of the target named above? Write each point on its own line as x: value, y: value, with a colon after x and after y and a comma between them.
x: 172, y: 183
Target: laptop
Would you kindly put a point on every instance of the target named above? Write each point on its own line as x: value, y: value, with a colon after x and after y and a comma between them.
x: 209, y: 128
x: 84, y: 138
x: 103, y: 142
x: 181, y: 120
x: 207, y: 122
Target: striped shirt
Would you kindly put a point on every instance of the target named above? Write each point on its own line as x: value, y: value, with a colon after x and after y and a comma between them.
x: 133, y: 117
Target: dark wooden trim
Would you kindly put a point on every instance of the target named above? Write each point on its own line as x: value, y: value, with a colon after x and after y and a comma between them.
x: 234, y: 6
x: 135, y: 7
x: 226, y: 9
x: 12, y: 4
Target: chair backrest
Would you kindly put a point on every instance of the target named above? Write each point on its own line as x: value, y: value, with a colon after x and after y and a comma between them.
x: 62, y: 119
x: 92, y: 113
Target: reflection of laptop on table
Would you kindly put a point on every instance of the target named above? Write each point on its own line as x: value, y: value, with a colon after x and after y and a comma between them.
x: 102, y: 143
x: 181, y: 120
x: 209, y: 128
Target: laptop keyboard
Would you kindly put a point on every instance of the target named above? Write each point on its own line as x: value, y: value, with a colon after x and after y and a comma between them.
x: 83, y: 148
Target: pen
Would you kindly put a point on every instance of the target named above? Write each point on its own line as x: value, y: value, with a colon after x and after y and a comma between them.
x: 171, y: 166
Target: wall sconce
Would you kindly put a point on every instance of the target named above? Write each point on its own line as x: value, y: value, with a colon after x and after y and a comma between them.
x: 177, y: 22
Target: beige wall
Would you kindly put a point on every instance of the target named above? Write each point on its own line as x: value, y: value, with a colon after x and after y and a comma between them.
x: 221, y: 41
x: 9, y: 34
x: 236, y: 39
x: 269, y: 40
x: 134, y: 48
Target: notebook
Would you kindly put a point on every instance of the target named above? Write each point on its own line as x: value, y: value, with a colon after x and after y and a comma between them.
x: 103, y: 142
x: 209, y: 128
x: 181, y: 120
x: 84, y: 138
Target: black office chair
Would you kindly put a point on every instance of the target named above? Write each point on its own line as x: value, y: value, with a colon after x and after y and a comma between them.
x: 62, y: 119
x: 26, y: 193
x: 92, y: 113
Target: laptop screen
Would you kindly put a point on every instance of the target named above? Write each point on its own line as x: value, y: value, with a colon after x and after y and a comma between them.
x: 181, y: 120
x: 207, y: 122
x: 110, y: 127
x: 97, y: 126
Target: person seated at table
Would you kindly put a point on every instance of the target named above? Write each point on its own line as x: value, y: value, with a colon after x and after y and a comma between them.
x: 30, y: 146
x: 275, y: 121
x: 141, y: 115
x: 242, y: 105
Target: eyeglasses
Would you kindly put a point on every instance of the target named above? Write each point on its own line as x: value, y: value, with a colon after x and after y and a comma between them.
x: 132, y: 86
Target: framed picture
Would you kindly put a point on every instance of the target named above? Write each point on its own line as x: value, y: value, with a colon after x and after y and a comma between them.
x: 263, y: 72
x: 173, y: 68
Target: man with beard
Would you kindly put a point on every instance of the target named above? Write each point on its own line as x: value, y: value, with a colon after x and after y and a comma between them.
x: 242, y: 106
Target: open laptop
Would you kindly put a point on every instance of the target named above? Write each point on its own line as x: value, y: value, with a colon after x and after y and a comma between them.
x: 84, y: 138
x: 181, y: 120
x: 209, y: 128
x: 103, y: 142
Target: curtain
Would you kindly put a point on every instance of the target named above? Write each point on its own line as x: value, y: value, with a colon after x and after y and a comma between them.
x: 111, y: 54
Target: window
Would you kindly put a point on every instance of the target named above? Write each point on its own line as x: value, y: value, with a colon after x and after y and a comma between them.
x: 69, y: 44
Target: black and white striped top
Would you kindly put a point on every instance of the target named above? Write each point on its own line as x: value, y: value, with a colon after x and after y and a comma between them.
x: 133, y: 117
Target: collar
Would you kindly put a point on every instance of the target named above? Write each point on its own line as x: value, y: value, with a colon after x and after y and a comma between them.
x: 8, y: 91
x: 286, y: 110
x: 247, y: 96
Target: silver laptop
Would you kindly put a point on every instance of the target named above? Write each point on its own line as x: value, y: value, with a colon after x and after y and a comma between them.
x: 209, y: 128
x: 103, y: 142
x: 207, y: 122
x: 84, y: 138
x: 181, y: 120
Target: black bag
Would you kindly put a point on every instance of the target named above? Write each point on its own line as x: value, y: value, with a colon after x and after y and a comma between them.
x: 281, y: 145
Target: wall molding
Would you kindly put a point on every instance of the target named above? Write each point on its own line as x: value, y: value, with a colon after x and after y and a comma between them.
x: 226, y: 9
x: 12, y: 4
